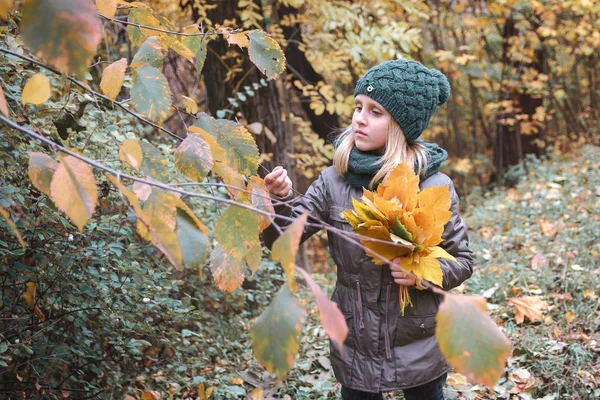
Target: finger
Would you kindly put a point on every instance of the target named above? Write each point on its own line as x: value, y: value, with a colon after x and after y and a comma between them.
x: 272, y: 177
x: 398, y: 274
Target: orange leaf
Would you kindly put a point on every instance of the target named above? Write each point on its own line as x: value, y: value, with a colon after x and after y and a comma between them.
x: 548, y: 229
x: 528, y: 306
x: 286, y: 246
x: 332, y: 319
x: 36, y: 90
x: 151, y: 395
x: 73, y: 190
x: 3, y: 104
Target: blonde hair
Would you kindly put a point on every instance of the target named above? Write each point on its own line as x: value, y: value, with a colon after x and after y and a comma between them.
x: 397, y: 150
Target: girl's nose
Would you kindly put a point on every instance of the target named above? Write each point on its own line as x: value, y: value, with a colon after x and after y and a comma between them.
x: 360, y: 118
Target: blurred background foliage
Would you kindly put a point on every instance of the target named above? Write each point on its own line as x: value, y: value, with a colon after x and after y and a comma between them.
x: 114, y: 319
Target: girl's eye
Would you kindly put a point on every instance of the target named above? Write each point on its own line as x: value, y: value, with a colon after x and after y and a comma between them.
x: 357, y: 108
x: 377, y: 112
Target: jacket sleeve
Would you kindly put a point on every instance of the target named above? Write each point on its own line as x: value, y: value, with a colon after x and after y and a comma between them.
x: 315, y: 201
x: 456, y: 242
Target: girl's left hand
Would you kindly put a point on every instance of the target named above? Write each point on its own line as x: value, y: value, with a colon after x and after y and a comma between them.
x: 400, y: 277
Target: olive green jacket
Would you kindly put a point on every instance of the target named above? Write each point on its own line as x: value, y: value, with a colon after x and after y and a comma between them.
x: 384, y: 350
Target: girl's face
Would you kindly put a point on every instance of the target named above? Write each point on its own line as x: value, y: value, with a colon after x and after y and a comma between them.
x: 370, y: 124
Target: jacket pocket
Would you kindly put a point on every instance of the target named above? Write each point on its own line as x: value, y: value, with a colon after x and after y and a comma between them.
x: 413, y: 328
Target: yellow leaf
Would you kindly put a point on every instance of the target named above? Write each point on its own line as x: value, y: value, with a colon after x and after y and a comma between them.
x: 169, y: 42
x: 12, y: 225
x: 130, y: 152
x: 29, y: 297
x: 570, y: 317
x: 36, y: 90
x: 261, y: 200
x: 108, y: 8
x: 3, y: 105
x: 112, y: 78
x: 238, y: 38
x: 73, y: 190
x: 190, y: 105
x: 529, y: 306
x: 286, y: 246
x: 5, y: 7
x: 236, y: 380
x: 152, y: 228
x: 41, y: 171
x: 257, y: 394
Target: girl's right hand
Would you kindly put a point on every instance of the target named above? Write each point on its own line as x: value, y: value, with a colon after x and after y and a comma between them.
x: 278, y: 182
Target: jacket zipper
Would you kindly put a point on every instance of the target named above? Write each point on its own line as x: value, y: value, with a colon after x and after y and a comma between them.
x: 388, y: 350
x: 360, y: 310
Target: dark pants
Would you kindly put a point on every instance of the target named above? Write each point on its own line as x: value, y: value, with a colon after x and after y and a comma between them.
x: 433, y: 390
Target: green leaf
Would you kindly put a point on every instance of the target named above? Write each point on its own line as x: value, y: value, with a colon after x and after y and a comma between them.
x: 192, y: 241
x: 193, y: 157
x: 400, y: 230
x: 227, y: 270
x: 266, y: 54
x: 192, y: 42
x: 275, y: 334
x: 142, y: 17
x: 41, y: 171
x: 201, y: 56
x: 150, y: 53
x: 237, y: 230
x: 470, y: 340
x: 286, y: 247
x: 144, y: 157
x: 242, y: 152
x: 150, y: 94
x: 65, y: 33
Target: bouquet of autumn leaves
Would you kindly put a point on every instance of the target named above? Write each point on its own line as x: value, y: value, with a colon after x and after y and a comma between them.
x: 412, y: 221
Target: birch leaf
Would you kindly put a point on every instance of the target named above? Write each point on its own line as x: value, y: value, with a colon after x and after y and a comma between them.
x: 64, y: 33
x: 266, y: 54
x: 238, y: 143
x: 149, y: 53
x: 193, y: 157
x: 470, y: 340
x: 41, y: 171
x: 73, y: 190
x: 36, y: 90
x: 112, y: 78
x: 276, y: 333
x: 286, y: 246
x: 228, y: 271
x: 108, y: 8
x: 150, y: 94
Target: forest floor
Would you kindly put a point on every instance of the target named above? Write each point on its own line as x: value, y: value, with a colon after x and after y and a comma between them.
x: 538, y: 241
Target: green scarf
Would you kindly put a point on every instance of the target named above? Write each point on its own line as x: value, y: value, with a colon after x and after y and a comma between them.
x: 363, y: 165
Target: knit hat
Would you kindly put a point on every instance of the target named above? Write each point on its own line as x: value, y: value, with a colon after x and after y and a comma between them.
x: 409, y: 91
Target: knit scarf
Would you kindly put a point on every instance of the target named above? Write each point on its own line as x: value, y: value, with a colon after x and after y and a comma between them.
x: 363, y: 165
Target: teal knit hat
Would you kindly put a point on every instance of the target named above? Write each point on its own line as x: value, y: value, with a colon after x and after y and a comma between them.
x: 409, y: 91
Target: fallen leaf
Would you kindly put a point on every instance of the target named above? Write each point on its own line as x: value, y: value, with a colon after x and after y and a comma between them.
x: 528, y: 306
x: 257, y: 394
x: 548, y: 229
x: 36, y: 90
x: 570, y: 317
x: 522, y: 379
x: 539, y: 262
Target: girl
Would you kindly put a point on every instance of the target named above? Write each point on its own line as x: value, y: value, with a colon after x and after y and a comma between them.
x: 384, y: 351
